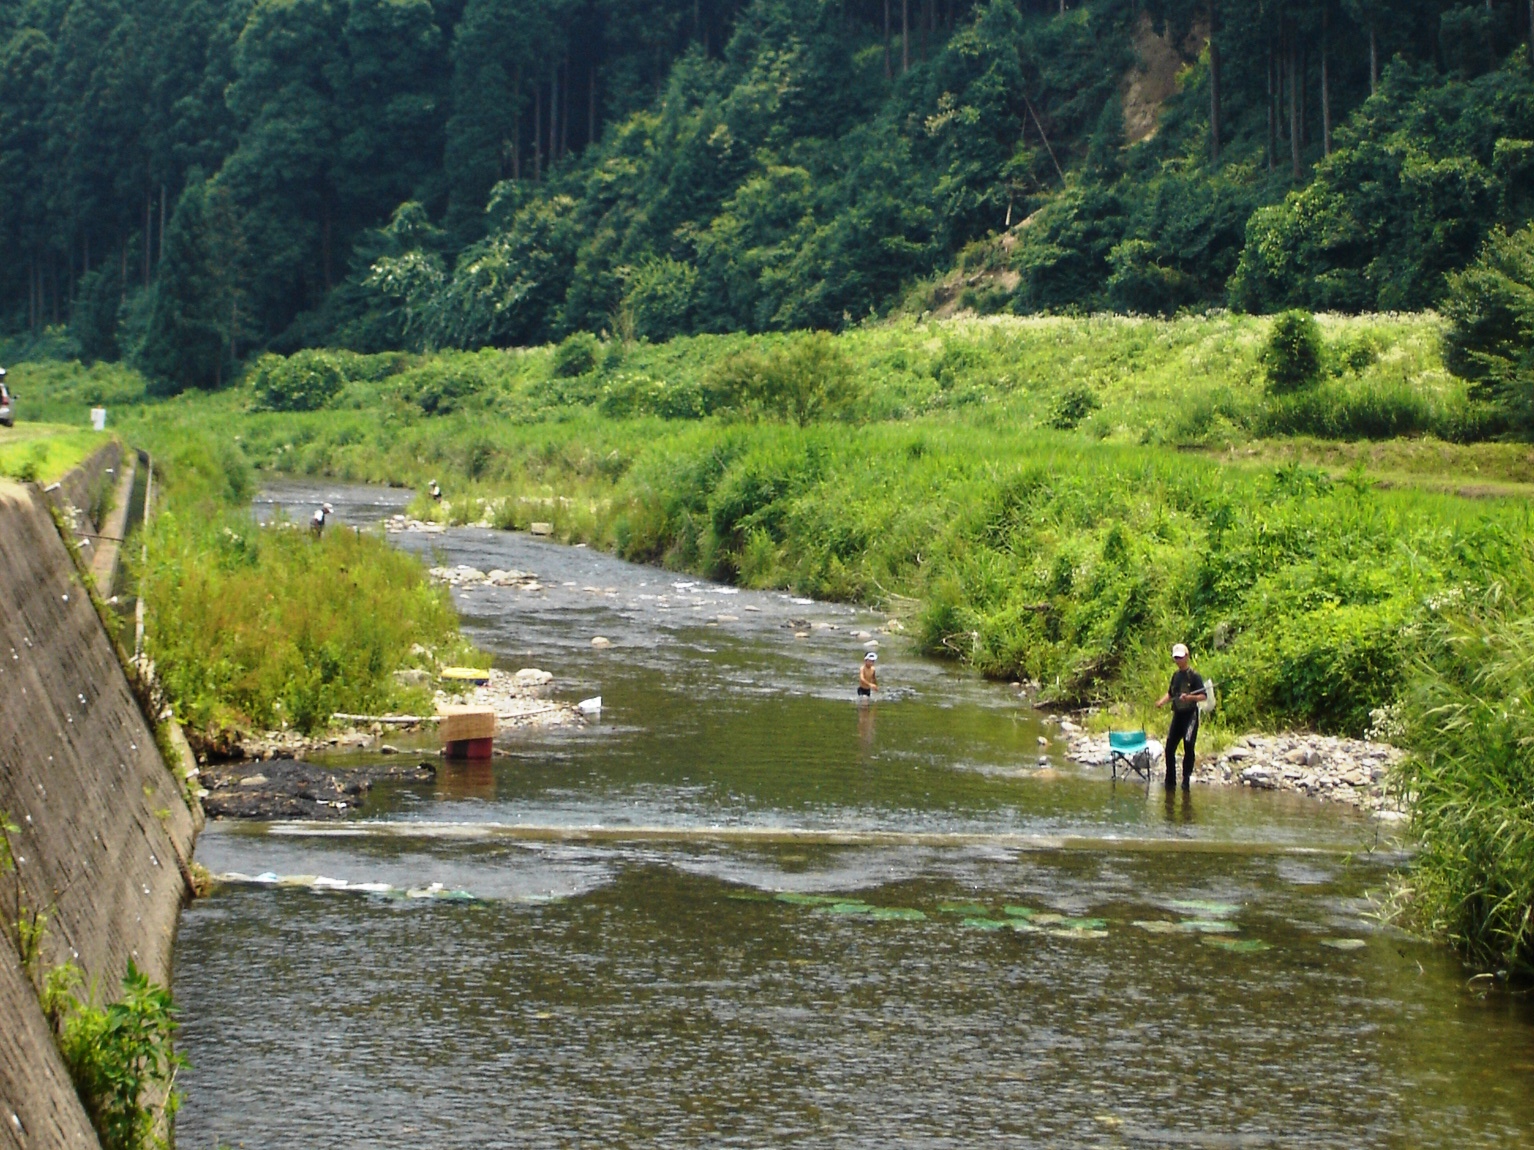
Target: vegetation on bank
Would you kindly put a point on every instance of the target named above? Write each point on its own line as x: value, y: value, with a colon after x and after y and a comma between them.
x: 263, y: 626
x: 43, y: 452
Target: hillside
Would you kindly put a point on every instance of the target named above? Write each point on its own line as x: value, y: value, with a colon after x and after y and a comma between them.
x: 184, y: 184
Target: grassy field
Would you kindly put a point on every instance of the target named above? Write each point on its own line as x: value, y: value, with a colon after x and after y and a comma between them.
x: 44, y: 452
x: 1055, y: 500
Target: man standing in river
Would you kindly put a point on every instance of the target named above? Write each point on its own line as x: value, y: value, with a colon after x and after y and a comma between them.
x: 1185, y: 693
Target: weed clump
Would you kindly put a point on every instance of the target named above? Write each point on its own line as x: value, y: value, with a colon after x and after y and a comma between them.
x: 120, y: 1056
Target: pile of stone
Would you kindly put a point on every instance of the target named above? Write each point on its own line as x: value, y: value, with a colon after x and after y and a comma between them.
x: 519, y: 700
x: 397, y: 524
x: 466, y: 576
x: 1351, y: 771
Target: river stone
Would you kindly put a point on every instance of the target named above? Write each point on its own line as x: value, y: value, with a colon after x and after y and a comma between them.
x: 253, y: 781
x: 601, y: 642
x: 1344, y: 943
x: 532, y: 677
x: 1237, y: 945
x: 541, y: 528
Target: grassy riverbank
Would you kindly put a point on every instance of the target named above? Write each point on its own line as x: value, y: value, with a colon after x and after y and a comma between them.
x: 1052, y: 499
x: 257, y: 628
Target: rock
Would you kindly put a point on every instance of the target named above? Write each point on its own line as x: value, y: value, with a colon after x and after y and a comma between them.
x: 388, y: 749
x: 871, y: 645
x: 801, y: 634
x: 861, y: 635
x: 1236, y: 754
x: 729, y: 618
x: 591, y: 706
x: 532, y: 677
x: 253, y: 781
x: 541, y: 528
x: 1043, y: 742
x: 601, y: 642
x: 412, y: 677
x: 1298, y: 755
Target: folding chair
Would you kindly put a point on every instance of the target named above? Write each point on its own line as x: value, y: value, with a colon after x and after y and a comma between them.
x: 1129, y: 751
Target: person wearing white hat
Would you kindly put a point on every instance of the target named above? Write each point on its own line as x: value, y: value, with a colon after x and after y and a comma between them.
x: 1185, y: 693
x: 868, y: 676
x: 317, y: 522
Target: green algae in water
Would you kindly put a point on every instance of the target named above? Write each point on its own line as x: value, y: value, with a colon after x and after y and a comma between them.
x: 1204, y: 908
x: 897, y: 914
x: 1049, y: 918
x: 794, y: 898
x: 846, y: 908
x: 1158, y: 926
x: 750, y: 896
x: 968, y: 909
x: 1237, y: 945
x: 1208, y: 926
x: 985, y: 923
x: 1344, y: 943
x: 1018, y: 911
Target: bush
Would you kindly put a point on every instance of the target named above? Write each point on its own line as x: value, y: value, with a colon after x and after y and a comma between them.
x: 1291, y: 357
x: 1074, y: 405
x: 577, y: 355
x: 118, y: 1055
x: 808, y: 379
x: 306, y: 381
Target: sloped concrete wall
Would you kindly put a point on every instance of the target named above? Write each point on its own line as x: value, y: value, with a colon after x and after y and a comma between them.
x: 105, y: 835
x: 38, y: 1106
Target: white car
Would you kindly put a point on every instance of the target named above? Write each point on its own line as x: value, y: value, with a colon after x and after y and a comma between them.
x: 7, y: 416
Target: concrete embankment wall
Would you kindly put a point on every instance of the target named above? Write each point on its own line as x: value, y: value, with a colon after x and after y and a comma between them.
x: 105, y: 835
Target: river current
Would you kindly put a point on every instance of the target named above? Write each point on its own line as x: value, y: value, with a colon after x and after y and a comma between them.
x: 741, y: 909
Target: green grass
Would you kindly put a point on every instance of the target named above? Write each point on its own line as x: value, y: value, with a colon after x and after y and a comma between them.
x: 44, y: 452
x: 265, y: 627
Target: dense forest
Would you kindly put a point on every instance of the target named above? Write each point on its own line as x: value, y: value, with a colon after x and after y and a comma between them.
x: 186, y: 182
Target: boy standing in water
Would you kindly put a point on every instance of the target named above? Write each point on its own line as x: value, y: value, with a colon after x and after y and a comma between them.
x: 1185, y: 693
x: 868, y: 678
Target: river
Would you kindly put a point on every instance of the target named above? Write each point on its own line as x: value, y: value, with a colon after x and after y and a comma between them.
x: 740, y: 909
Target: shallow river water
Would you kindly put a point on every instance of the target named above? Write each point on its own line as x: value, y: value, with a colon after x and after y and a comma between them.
x: 741, y: 909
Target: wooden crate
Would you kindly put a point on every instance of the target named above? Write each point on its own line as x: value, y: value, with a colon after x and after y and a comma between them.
x: 458, y: 724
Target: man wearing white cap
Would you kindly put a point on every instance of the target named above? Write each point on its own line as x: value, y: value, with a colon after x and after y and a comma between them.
x: 1185, y: 693
x: 868, y: 676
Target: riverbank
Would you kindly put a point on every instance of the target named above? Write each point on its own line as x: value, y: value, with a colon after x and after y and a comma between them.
x: 1354, y: 772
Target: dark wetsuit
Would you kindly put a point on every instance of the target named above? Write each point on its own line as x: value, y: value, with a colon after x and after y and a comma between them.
x: 1184, y: 728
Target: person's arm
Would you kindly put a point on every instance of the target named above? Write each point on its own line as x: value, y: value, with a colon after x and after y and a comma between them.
x: 1197, y: 695
x: 1164, y: 700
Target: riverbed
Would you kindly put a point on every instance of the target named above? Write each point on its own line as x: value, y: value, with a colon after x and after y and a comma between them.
x: 741, y: 908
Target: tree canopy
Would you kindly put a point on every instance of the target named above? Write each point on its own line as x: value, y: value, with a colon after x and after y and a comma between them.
x: 188, y: 183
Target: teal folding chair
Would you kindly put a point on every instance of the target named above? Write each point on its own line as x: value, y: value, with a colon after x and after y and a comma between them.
x: 1129, y: 751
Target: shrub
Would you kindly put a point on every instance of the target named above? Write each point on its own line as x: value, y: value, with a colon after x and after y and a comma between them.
x: 1291, y: 358
x: 118, y: 1055
x: 310, y: 380
x: 1075, y: 404
x: 577, y: 355
x: 302, y: 382
x: 808, y: 379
